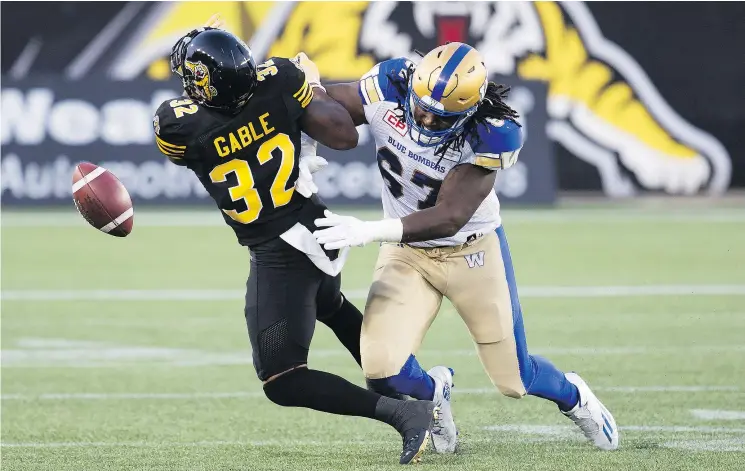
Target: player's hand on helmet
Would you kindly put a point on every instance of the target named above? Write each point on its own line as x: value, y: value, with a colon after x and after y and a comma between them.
x: 308, y: 165
x: 311, y: 69
x: 341, y: 231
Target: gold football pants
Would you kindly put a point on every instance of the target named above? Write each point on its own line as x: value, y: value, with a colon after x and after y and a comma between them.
x: 407, y: 290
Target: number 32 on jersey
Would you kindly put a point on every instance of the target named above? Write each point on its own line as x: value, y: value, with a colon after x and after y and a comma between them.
x: 245, y: 189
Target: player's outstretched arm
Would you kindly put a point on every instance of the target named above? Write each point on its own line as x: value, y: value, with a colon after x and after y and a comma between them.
x: 461, y: 193
x: 326, y: 121
x: 348, y: 95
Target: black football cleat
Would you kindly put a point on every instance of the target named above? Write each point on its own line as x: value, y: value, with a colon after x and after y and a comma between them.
x: 417, y: 429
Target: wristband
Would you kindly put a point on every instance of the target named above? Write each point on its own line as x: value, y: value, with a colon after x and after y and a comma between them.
x: 387, y: 230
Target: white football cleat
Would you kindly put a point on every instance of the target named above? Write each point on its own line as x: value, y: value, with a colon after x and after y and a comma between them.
x: 444, y: 434
x: 592, y: 417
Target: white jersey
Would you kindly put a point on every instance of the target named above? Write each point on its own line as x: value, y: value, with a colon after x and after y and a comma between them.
x: 413, y: 174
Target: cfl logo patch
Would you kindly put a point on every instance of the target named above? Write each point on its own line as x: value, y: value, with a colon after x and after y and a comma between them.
x: 475, y: 259
x: 393, y: 121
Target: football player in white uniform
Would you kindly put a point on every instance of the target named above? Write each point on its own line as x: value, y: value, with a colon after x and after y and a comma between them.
x: 442, y: 133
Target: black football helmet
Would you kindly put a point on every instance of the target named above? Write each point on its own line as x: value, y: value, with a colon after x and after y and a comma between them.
x: 216, y: 68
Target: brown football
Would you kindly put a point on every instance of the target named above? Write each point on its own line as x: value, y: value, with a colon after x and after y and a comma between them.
x: 102, y: 199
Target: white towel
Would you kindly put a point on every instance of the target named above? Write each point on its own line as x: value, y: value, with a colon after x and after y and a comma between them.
x: 301, y: 238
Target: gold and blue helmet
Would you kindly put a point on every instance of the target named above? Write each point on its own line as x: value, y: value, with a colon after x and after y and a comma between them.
x: 449, y: 82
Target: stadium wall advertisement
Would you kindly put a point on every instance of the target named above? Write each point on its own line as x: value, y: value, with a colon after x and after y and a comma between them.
x: 603, y: 110
x: 47, y: 127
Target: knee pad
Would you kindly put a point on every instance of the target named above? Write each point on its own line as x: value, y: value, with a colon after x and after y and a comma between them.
x: 277, y: 350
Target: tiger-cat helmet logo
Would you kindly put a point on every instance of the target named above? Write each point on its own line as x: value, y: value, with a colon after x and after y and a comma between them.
x: 201, y: 79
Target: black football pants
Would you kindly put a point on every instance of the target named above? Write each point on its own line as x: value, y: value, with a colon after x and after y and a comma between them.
x: 285, y: 293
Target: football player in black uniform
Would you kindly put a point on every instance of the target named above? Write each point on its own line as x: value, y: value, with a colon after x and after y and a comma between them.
x: 238, y: 129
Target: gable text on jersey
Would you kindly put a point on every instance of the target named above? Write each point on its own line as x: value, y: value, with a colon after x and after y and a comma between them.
x: 243, y: 137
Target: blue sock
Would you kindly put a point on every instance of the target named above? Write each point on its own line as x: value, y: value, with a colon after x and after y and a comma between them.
x: 550, y: 383
x: 412, y: 380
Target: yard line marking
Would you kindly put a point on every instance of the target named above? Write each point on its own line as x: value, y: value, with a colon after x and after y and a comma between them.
x: 562, y: 429
x: 259, y: 394
x: 624, y: 291
x: 538, y: 433
x: 117, y: 396
x: 625, y: 389
x: 187, y: 444
x: 717, y: 414
x: 211, y: 443
x: 635, y: 389
x: 610, y: 351
x: 127, y: 356
x: 35, y: 352
x: 554, y: 216
x: 733, y: 444
x: 230, y: 295
x: 122, y: 356
x: 121, y: 295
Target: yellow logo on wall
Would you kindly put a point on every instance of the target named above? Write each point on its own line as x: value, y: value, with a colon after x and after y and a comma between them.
x: 326, y: 31
x: 602, y: 106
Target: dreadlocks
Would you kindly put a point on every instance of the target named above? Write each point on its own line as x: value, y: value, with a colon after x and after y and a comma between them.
x: 491, y: 107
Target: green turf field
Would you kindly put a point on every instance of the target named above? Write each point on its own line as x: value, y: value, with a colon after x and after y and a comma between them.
x: 132, y: 354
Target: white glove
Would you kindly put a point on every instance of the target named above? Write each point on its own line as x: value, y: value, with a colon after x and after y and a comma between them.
x: 348, y: 231
x: 308, y: 145
x: 308, y: 165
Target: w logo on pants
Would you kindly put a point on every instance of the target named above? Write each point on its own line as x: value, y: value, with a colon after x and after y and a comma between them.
x: 475, y: 259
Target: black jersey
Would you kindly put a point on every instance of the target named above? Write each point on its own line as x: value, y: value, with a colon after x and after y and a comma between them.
x: 248, y: 161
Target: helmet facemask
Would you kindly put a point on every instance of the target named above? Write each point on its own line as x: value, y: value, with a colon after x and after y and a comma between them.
x: 427, y: 137
x: 178, y: 55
